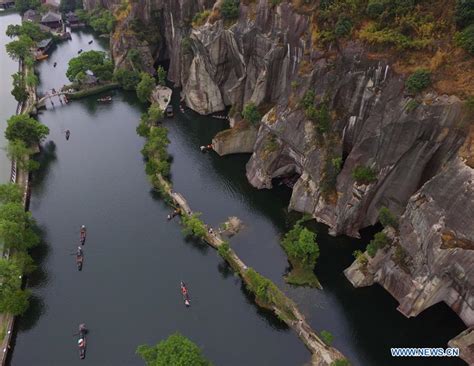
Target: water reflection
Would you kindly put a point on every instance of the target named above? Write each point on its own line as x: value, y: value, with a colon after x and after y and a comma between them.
x: 47, y: 157
x: 29, y: 320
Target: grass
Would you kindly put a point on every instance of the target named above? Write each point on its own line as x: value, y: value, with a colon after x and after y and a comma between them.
x: 94, y: 90
x: 302, y: 276
x: 3, y: 332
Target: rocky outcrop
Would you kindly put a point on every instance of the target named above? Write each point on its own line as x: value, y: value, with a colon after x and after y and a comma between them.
x: 465, y: 343
x: 239, y: 139
x: 431, y: 258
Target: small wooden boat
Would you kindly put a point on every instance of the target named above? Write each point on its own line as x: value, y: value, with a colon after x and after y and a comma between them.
x: 83, y: 234
x: 106, y: 99
x: 185, y: 293
x: 81, y: 342
x: 80, y: 51
x: 90, y: 42
x: 42, y: 57
x: 79, y: 259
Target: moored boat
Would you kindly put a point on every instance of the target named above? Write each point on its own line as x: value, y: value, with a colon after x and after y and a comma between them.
x: 81, y: 342
x: 106, y: 99
x: 185, y: 293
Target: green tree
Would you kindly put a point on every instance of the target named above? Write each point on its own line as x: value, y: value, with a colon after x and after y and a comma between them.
x: 464, y: 13
x: 70, y: 5
x: 145, y: 87
x: 16, y: 227
x: 95, y: 61
x: 19, y: 152
x: 364, y: 174
x: 251, y: 114
x: 379, y: 241
x: 29, y: 29
x: 24, y: 128
x: 161, y: 74
x: 23, y: 5
x: 465, y: 39
x: 230, y: 9
x: 418, y: 81
x: 20, y: 48
x: 10, y: 192
x: 300, y: 244
x: 176, y: 350
x: 31, y: 80
x: 343, y: 27
x: 193, y: 225
x: 128, y: 79
x: 327, y: 337
x: 14, y: 302
x: 101, y: 20
x: 155, y: 113
x: 341, y: 362
x: 387, y: 218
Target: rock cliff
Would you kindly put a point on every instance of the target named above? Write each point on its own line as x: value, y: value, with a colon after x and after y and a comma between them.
x: 418, y: 147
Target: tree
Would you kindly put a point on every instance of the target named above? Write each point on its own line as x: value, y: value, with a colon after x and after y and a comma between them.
x: 193, y: 225
x: 134, y: 56
x: 16, y: 227
x: 20, y: 48
x: 19, y: 152
x: 251, y: 114
x: 10, y: 192
x: 364, y: 175
x: 70, y: 5
x: 300, y: 244
x: 379, y: 241
x: 154, y: 113
x: 24, y: 128
x: 465, y: 39
x: 128, y: 79
x: 464, y: 14
x: 145, y: 87
x: 14, y: 302
x: 418, y: 81
x: 29, y: 29
x: 23, y: 5
x: 95, y: 61
x: 230, y: 9
x: 176, y: 350
x: 161, y: 74
x: 387, y: 218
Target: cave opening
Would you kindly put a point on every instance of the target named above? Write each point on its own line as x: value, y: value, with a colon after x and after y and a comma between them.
x: 289, y: 180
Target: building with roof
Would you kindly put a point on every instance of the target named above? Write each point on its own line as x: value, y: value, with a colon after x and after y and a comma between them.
x: 6, y: 4
x: 52, y: 20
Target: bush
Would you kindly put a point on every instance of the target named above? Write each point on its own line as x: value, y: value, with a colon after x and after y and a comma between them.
x: 364, y: 174
x: 465, y: 39
x: 16, y: 227
x: 127, y: 79
x: 10, y: 192
x: 224, y: 250
x: 145, y: 87
x: 327, y: 337
x: 343, y: 27
x: 176, y: 350
x: 200, y: 18
x: 154, y: 113
x: 418, y: 81
x: 308, y: 99
x: 24, y: 128
x: 375, y: 8
x: 412, y: 105
x: 387, y: 218
x: 320, y: 116
x: 134, y: 56
x: 360, y: 257
x: 193, y: 226
x: 300, y: 245
x: 379, y: 241
x: 251, y: 114
x: 464, y: 13
x: 230, y: 9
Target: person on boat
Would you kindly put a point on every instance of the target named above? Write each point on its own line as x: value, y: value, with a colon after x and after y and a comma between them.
x: 83, y: 230
x: 81, y: 343
x: 68, y: 133
x: 184, y: 291
x: 79, y: 251
x: 186, y: 302
x: 54, y: 65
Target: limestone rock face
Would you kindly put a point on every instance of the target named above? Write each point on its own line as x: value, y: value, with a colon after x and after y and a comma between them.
x: 240, y: 139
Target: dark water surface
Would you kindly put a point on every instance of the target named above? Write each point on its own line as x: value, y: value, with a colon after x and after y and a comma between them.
x: 128, y: 292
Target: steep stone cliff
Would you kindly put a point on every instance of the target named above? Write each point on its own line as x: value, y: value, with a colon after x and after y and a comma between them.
x: 419, y: 147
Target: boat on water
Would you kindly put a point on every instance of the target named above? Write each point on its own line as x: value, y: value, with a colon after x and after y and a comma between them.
x: 79, y: 259
x: 80, y: 51
x: 81, y: 342
x: 83, y: 234
x: 90, y: 42
x: 185, y: 293
x: 106, y: 99
x: 42, y: 57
